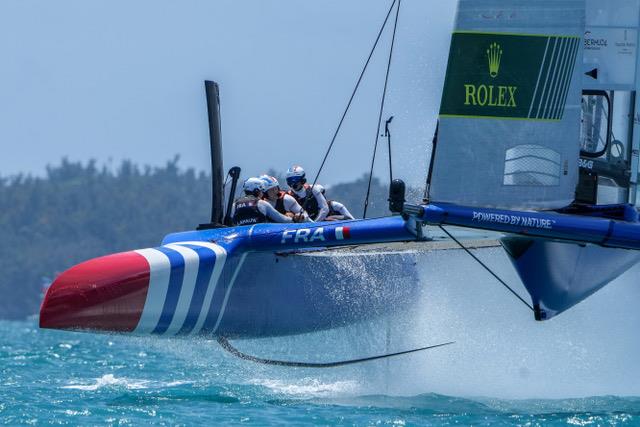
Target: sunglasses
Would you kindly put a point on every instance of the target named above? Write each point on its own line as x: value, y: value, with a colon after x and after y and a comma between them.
x: 294, y: 181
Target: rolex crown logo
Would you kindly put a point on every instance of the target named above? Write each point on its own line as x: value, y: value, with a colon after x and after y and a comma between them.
x: 494, y: 54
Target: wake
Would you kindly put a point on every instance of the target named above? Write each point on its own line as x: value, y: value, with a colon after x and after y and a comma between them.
x: 500, y: 350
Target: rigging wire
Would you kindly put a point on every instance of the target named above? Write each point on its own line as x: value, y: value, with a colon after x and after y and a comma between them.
x: 427, y: 187
x: 353, y: 93
x: 487, y: 268
x: 225, y: 344
x: 387, y: 133
x: 384, y: 94
x: 224, y: 185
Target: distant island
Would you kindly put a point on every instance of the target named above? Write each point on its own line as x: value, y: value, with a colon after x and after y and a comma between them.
x: 82, y: 210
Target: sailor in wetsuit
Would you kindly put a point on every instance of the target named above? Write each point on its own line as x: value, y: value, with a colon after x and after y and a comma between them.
x: 337, y: 211
x: 251, y: 209
x: 281, y: 201
x: 311, y: 199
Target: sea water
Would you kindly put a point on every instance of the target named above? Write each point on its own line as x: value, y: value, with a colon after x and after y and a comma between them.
x: 582, y: 368
x: 51, y: 377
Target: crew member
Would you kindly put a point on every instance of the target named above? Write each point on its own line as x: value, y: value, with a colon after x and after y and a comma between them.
x: 281, y: 201
x: 311, y: 199
x: 251, y: 209
x: 337, y: 211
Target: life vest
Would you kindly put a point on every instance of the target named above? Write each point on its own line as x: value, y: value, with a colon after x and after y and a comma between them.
x: 247, y: 212
x: 308, y: 202
x: 280, y: 202
x: 279, y: 205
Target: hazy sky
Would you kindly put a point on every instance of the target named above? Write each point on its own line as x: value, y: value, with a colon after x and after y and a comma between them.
x: 121, y: 79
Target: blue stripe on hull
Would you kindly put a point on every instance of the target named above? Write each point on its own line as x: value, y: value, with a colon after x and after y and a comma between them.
x: 173, y: 292
x: 205, y: 269
x: 219, y: 295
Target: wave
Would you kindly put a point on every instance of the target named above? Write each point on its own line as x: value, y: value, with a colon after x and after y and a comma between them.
x: 110, y: 381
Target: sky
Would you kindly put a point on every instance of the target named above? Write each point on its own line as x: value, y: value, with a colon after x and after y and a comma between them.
x: 113, y: 80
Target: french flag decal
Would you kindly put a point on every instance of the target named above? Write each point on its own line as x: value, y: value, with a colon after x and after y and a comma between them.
x: 343, y: 233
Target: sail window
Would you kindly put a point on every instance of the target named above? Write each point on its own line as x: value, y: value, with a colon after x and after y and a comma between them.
x: 594, y: 116
x: 532, y: 165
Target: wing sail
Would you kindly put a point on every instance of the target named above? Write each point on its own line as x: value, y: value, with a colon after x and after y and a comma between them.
x: 510, y: 111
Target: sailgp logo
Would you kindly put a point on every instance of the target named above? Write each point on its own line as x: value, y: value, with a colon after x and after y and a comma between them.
x: 494, y: 54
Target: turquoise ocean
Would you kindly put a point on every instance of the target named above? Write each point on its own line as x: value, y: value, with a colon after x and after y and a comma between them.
x: 67, y: 378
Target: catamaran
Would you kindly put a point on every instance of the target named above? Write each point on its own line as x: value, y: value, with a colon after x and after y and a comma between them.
x: 538, y: 119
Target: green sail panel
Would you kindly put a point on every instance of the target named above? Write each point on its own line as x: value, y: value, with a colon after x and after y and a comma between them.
x: 510, y: 76
x: 509, y: 124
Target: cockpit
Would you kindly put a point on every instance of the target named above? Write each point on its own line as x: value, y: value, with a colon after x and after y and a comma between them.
x: 606, y: 149
x: 610, y: 111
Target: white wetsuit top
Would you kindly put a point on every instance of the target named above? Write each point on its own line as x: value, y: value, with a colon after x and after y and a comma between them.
x: 323, y: 207
x: 337, y: 206
x: 270, y: 212
x: 341, y: 209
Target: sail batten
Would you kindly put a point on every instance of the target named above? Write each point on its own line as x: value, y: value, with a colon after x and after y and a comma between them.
x: 511, y: 82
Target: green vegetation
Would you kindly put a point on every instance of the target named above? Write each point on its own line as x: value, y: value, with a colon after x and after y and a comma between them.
x: 80, y: 211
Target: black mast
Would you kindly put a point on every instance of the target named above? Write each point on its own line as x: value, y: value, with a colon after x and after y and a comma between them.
x: 215, y: 136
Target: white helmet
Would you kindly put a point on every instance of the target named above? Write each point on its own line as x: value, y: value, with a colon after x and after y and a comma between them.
x: 269, y: 182
x: 295, y: 175
x: 253, y: 184
x: 295, y: 171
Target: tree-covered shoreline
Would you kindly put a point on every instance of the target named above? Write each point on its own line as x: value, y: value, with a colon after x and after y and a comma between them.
x: 78, y: 211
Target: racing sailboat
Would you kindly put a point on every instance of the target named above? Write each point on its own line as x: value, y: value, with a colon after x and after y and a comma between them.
x: 537, y: 139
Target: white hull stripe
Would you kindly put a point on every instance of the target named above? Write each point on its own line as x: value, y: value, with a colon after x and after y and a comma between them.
x: 182, y: 280
x: 159, y: 269
x: 191, y: 264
